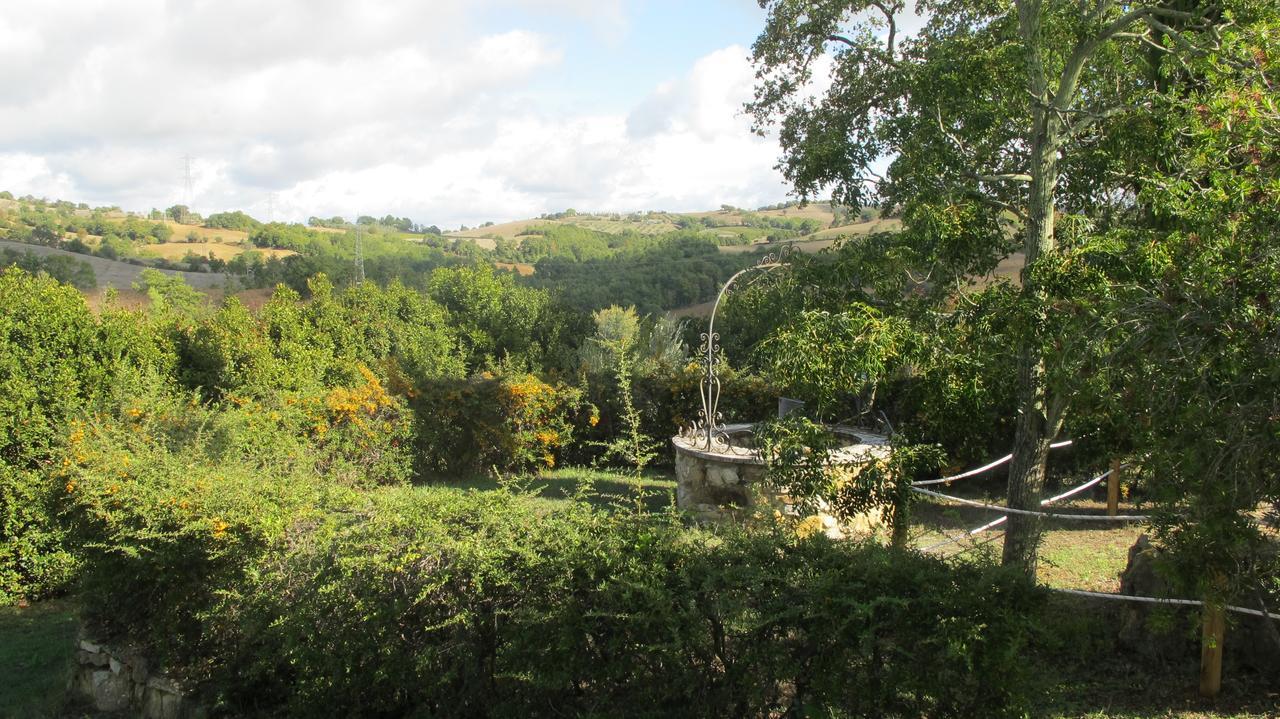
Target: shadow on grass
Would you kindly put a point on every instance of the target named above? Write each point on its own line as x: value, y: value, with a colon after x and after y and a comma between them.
x: 604, y: 488
x: 37, y: 654
x: 1087, y: 674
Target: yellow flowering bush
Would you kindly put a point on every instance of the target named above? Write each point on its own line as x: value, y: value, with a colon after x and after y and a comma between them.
x: 511, y: 422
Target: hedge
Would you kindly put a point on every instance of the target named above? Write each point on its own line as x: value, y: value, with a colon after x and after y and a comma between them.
x: 275, y: 590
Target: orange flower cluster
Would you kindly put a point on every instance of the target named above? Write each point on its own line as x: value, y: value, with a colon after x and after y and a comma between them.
x: 352, y: 404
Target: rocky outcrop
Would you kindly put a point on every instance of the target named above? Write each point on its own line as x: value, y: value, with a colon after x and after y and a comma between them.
x: 112, y: 680
x: 1173, y: 633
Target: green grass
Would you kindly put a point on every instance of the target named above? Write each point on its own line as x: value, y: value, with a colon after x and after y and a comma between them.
x: 606, y: 488
x: 1086, y: 673
x: 1073, y: 555
x: 37, y: 654
x: 1088, y: 676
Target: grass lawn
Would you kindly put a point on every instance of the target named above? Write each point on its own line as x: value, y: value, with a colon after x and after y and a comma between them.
x: 601, y: 487
x: 1093, y: 676
x: 37, y: 648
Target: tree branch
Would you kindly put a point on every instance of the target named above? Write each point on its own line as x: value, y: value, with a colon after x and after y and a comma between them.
x: 1070, y: 77
x: 893, y: 28
x: 1004, y: 177
x: 1090, y: 119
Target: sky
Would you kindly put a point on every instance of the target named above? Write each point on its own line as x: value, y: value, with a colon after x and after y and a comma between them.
x: 449, y: 112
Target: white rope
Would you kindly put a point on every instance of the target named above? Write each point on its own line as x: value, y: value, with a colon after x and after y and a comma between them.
x: 1161, y: 600
x: 1030, y: 513
x: 995, y: 523
x: 980, y: 470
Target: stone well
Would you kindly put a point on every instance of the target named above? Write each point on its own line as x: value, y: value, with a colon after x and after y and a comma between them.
x: 727, y: 480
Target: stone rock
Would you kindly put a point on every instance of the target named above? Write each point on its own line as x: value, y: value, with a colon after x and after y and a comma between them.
x: 110, y: 692
x: 163, y: 684
x: 138, y: 670
x: 92, y: 659
x: 161, y: 704
x: 722, y: 476
x: 115, y: 665
x: 1155, y: 640
x: 89, y: 646
x: 82, y: 683
x: 1248, y: 641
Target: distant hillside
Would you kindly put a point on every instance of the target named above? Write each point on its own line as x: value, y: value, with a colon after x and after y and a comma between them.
x: 733, y: 229
x: 655, y: 260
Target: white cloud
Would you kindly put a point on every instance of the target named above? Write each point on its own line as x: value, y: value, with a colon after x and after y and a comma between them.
x: 400, y: 107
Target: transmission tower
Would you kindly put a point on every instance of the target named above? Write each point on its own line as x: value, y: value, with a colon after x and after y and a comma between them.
x: 271, y: 207
x: 187, y: 193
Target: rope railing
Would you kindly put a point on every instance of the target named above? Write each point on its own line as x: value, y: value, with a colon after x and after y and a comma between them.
x: 1162, y: 600
x: 979, y: 470
x: 1032, y: 513
x: 997, y: 522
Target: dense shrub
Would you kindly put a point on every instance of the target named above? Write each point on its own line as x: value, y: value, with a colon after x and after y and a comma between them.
x: 308, y: 346
x: 60, y: 267
x: 56, y: 361
x: 172, y: 500
x: 400, y: 602
x: 503, y: 421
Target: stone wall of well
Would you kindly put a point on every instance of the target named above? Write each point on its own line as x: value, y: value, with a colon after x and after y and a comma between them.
x: 718, y: 488
x: 114, y: 680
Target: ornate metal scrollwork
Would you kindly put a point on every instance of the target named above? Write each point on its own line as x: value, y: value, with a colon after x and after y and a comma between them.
x: 709, y: 431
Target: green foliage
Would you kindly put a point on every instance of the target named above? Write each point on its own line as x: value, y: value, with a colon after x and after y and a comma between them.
x: 56, y: 361
x: 232, y: 221
x: 616, y: 337
x: 63, y: 269
x: 295, y: 345
x: 798, y: 451
x: 169, y: 294
x: 172, y: 500
x: 400, y: 601
x: 508, y: 422
x: 800, y: 356
x: 651, y: 273
x: 1195, y: 323
x: 501, y: 322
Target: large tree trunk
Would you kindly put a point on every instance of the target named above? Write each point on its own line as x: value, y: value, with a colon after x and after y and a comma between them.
x: 1026, y: 470
x: 1036, y: 422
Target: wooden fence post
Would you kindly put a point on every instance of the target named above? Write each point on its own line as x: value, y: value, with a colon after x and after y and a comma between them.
x: 1215, y: 625
x: 1113, y: 489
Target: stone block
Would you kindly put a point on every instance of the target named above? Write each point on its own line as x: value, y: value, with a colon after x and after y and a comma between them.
x: 138, y: 670
x: 91, y: 659
x: 163, y: 684
x: 110, y: 692
x: 722, y: 476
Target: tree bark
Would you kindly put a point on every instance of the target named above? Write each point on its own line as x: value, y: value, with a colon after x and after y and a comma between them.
x: 1036, y: 423
x: 1027, y: 469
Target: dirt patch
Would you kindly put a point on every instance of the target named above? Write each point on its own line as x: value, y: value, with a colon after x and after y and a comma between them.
x: 181, y: 232
x: 523, y: 269
x: 175, y: 251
